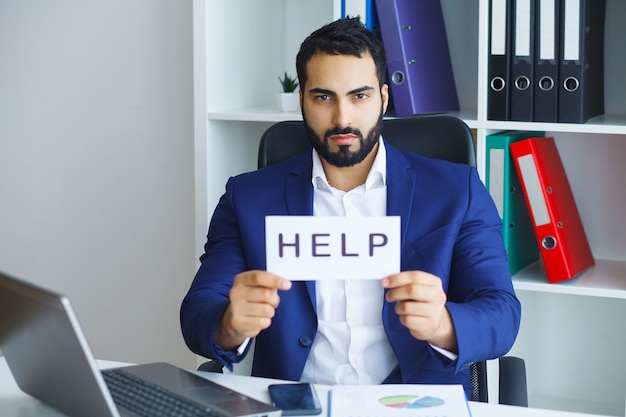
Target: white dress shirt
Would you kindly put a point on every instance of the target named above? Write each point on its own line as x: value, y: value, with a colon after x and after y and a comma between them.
x: 350, y: 346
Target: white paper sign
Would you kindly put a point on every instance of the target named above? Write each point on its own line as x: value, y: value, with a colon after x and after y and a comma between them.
x: 319, y: 248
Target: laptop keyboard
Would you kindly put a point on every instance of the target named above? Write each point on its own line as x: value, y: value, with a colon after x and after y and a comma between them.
x: 150, y: 400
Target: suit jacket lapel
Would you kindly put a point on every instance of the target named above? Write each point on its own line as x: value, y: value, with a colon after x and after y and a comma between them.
x: 299, y: 199
x: 401, y: 181
x: 400, y: 188
x: 299, y: 189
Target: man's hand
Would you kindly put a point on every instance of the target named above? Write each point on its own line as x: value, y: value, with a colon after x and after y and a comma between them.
x: 421, y: 305
x: 253, y: 300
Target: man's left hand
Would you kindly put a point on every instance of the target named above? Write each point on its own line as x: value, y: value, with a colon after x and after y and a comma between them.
x: 421, y: 304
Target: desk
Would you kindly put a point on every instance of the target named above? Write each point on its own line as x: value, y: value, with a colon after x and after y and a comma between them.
x: 14, y: 403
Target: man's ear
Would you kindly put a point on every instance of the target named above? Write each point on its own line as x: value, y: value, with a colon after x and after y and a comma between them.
x: 384, y: 93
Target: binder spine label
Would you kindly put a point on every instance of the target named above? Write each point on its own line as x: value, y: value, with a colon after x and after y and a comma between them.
x: 571, y: 21
x: 547, y: 37
x: 496, y: 179
x: 522, y: 28
x: 534, y: 191
x: 498, y: 27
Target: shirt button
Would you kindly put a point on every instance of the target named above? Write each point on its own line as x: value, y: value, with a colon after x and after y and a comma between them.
x: 305, y: 341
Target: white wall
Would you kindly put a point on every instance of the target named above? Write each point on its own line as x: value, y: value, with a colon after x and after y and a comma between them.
x: 96, y: 164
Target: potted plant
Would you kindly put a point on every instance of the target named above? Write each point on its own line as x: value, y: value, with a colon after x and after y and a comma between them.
x: 288, y: 99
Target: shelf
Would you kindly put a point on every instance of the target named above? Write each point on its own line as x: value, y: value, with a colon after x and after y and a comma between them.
x: 273, y: 114
x: 604, y: 124
x: 255, y: 114
x: 605, y: 279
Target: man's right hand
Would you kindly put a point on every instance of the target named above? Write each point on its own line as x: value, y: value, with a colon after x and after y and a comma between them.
x: 253, y: 300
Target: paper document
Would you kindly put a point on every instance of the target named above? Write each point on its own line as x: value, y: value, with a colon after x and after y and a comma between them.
x: 319, y: 248
x: 397, y: 400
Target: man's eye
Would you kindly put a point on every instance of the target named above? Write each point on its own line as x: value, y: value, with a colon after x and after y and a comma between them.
x: 360, y: 96
x: 323, y: 97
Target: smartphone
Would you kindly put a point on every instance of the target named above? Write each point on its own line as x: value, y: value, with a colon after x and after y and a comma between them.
x: 299, y: 399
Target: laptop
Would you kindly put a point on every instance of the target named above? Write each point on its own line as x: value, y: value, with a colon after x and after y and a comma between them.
x: 50, y: 359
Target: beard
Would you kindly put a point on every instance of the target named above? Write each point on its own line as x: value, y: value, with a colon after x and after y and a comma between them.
x: 344, y: 157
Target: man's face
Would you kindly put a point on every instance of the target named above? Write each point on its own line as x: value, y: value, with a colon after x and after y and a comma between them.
x: 343, y: 107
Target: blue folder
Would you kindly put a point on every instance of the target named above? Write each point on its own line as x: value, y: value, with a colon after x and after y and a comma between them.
x: 418, y: 58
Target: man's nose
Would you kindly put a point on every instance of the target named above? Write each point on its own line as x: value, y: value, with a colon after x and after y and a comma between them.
x: 342, y: 114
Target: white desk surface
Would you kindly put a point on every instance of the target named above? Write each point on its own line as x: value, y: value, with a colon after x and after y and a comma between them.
x: 14, y: 403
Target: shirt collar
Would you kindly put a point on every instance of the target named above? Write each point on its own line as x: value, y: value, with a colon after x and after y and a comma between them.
x: 377, y: 176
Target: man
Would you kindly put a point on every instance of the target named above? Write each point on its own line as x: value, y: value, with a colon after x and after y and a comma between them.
x: 452, y: 304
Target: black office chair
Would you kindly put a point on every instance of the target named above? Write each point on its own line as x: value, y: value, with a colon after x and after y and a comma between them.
x: 434, y: 136
x: 439, y: 137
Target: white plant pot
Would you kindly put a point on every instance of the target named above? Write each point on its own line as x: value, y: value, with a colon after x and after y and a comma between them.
x: 288, y: 101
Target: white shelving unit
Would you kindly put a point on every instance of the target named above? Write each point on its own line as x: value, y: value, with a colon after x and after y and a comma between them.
x: 573, y: 334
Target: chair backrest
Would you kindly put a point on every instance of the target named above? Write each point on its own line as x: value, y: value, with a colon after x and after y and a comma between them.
x: 435, y: 136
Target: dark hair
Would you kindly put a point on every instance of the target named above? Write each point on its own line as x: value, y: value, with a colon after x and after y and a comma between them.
x: 347, y: 36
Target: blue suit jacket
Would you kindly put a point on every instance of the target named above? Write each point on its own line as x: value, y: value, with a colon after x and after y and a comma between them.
x: 450, y: 228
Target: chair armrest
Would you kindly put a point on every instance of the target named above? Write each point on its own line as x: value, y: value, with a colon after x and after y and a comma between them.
x: 512, y: 387
x: 212, y: 366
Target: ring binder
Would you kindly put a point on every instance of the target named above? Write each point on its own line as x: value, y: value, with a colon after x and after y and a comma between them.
x: 581, y: 60
x: 558, y: 228
x: 522, y: 56
x: 418, y: 57
x: 546, y: 93
x: 505, y: 189
x: 498, y: 96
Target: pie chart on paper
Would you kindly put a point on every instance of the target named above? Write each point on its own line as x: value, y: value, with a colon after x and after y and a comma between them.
x: 411, y: 401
